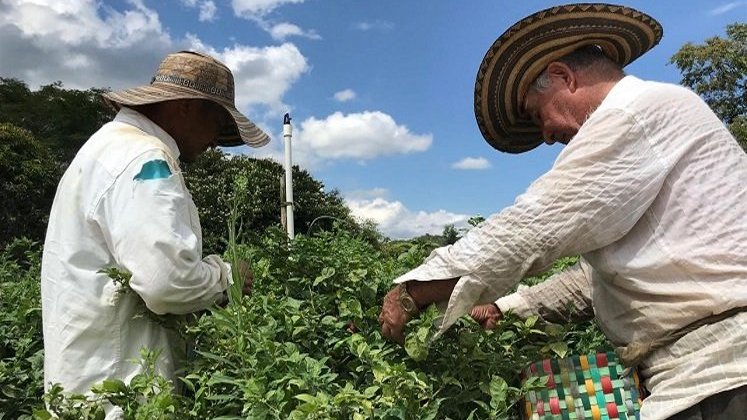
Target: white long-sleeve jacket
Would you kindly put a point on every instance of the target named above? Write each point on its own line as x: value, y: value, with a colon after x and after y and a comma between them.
x: 652, y: 193
x: 121, y: 203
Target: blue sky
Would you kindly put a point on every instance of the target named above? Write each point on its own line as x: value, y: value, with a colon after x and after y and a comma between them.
x: 381, y: 92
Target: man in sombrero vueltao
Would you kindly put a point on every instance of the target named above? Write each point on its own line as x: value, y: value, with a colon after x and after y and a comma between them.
x: 123, y: 203
x: 650, y: 190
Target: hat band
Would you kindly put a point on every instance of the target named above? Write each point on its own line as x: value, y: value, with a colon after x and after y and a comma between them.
x: 181, y: 81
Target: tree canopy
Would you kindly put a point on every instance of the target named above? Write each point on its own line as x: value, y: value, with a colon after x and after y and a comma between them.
x: 28, y: 180
x: 40, y: 132
x: 62, y: 119
x: 211, y: 182
x: 717, y: 71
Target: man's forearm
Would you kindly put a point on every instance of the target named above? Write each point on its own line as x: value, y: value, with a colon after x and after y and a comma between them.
x: 426, y: 292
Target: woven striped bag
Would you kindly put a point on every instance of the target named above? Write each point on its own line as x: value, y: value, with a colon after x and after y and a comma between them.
x: 591, y: 387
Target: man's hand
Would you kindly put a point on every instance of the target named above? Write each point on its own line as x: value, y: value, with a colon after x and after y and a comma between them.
x: 246, y: 273
x: 393, y: 317
x: 486, y: 315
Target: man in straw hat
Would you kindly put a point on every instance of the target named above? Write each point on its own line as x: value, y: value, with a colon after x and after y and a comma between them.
x: 650, y: 191
x: 123, y: 203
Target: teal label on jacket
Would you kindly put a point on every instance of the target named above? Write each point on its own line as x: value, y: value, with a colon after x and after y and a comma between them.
x: 154, y: 169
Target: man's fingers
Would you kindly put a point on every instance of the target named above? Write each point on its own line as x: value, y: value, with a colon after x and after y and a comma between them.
x: 397, y: 334
x: 388, y: 331
x: 247, y: 276
x: 394, y: 333
x: 392, y: 317
x: 487, y: 316
x: 475, y: 314
x: 479, y: 313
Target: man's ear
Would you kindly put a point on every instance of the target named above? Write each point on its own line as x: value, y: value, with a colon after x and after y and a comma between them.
x: 564, y: 73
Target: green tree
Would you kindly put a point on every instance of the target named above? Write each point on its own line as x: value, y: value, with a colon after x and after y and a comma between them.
x: 211, y: 182
x: 475, y: 220
x: 717, y: 70
x: 42, y: 130
x: 449, y: 235
x: 29, y: 173
x: 62, y: 119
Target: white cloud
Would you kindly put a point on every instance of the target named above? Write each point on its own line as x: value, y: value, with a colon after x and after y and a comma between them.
x: 397, y: 221
x: 727, y: 7
x: 258, y: 8
x: 471, y: 163
x: 376, y: 25
x: 85, y: 44
x: 207, y: 11
x: 50, y: 22
x: 284, y: 30
x: 359, y: 195
x: 262, y: 74
x: 345, y: 95
x: 81, y: 43
x: 257, y: 11
x: 357, y: 136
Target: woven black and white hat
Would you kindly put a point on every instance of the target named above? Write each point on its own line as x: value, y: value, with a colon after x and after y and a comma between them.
x: 521, y: 53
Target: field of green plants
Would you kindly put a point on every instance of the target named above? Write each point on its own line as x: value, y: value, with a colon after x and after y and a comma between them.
x: 306, y: 344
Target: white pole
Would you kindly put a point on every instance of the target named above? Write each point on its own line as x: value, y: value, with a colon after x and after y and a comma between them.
x: 287, y: 134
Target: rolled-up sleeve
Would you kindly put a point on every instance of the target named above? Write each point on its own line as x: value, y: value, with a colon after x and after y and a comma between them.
x: 598, y: 188
x: 155, y: 235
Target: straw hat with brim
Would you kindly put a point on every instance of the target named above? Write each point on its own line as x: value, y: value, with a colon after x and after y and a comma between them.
x: 521, y: 53
x: 191, y: 75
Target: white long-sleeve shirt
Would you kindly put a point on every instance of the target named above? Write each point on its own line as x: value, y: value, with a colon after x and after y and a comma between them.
x: 122, y: 203
x: 652, y: 193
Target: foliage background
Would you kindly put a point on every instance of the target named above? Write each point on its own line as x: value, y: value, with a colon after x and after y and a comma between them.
x: 306, y: 344
x: 211, y: 181
x: 717, y: 70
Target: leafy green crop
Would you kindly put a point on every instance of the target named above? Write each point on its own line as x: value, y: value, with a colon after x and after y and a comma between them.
x: 21, y: 345
x: 307, y: 345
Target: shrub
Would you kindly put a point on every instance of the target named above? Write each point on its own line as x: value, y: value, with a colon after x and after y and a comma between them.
x: 29, y: 174
x: 21, y: 345
x: 211, y: 181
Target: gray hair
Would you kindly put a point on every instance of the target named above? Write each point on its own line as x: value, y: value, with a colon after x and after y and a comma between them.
x: 588, y: 57
x: 542, y: 82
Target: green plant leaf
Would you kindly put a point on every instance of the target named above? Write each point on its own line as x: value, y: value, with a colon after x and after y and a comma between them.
x: 560, y: 348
